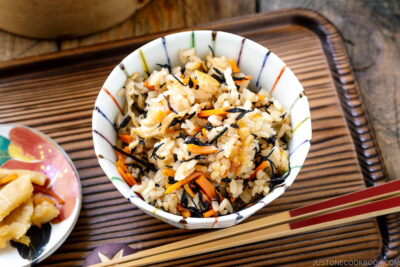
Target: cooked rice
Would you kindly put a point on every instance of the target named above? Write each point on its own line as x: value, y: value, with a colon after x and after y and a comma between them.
x: 164, y: 120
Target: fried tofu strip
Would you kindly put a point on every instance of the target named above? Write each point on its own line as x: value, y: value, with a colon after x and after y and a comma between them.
x: 15, y: 225
x: 14, y: 194
x: 43, y: 213
x: 36, y: 177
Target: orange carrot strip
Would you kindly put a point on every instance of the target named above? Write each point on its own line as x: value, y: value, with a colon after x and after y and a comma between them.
x: 132, y: 180
x: 197, y: 128
x: 209, y: 213
x: 244, y: 79
x: 208, y: 112
x: 202, y: 149
x: 148, y: 86
x: 260, y: 167
x: 119, y: 164
x: 168, y: 172
x: 180, y: 183
x: 184, y: 212
x: 8, y: 178
x: 164, y: 112
x: 170, y: 131
x: 127, y: 177
x: 203, y: 131
x: 122, y: 165
x: 260, y: 97
x: 49, y: 192
x: 126, y: 138
x: 37, y: 199
x: 188, y: 190
x: 206, y: 186
x: 205, y: 197
x: 179, y: 206
x: 233, y: 66
x: 120, y: 155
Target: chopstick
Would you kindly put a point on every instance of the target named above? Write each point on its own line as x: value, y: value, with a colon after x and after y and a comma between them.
x: 339, y: 210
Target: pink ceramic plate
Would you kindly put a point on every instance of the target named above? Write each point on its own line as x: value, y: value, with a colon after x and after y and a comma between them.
x: 25, y: 148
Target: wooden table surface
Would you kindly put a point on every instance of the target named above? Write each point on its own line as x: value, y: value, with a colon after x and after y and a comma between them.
x: 371, y: 29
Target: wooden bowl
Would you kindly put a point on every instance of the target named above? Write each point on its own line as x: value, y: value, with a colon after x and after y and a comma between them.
x: 64, y: 18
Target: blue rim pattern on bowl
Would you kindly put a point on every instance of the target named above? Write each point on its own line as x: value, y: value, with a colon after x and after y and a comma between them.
x: 296, y: 102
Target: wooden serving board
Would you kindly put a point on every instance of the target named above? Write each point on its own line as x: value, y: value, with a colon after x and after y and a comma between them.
x: 56, y: 93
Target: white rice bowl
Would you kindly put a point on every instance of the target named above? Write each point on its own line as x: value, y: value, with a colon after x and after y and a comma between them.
x: 231, y: 168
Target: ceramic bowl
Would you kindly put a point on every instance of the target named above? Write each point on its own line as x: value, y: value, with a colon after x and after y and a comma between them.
x: 25, y: 148
x: 267, y: 70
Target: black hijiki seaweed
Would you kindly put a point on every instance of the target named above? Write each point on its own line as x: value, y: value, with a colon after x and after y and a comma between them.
x: 191, y: 84
x: 265, y: 158
x: 165, y: 66
x: 270, y: 140
x: 266, y: 107
x: 204, y: 205
x: 208, y: 126
x: 195, y: 188
x: 226, y: 180
x: 171, y: 180
x: 184, y: 199
x: 239, y: 78
x: 218, y: 135
x: 197, y: 157
x: 195, y: 141
x: 275, y: 181
x: 141, y: 171
x: 212, y: 50
x: 176, y: 78
x: 272, y: 164
x: 154, y: 153
x: 219, y: 76
x: 125, y: 121
x: 230, y: 202
x: 176, y: 121
x: 239, y: 110
x: 195, y: 212
x: 217, y: 195
x: 169, y: 105
x: 241, y: 115
x: 234, y: 125
x: 181, y: 135
x: 146, y: 164
x: 135, y: 107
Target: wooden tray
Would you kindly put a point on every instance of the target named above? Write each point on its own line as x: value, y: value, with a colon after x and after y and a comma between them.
x: 55, y: 93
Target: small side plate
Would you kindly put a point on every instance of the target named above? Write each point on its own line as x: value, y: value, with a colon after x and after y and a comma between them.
x: 25, y: 148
